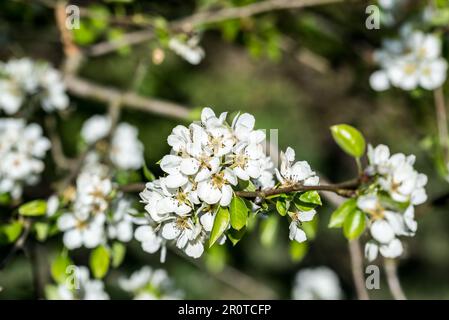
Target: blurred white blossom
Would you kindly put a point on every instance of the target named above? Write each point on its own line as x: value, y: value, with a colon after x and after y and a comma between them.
x: 189, y: 50
x: 126, y: 150
x: 317, y: 284
x: 21, y: 79
x: 22, y: 149
x: 412, y: 61
x: 149, y: 284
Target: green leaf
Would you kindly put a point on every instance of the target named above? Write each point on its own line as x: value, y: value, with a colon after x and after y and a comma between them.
x: 311, y: 197
x: 268, y: 230
x: 282, y: 206
x: 239, y: 213
x: 298, y: 250
x: 236, y: 235
x: 99, y: 261
x: 354, y: 224
x: 349, y: 139
x: 118, y: 253
x: 221, y: 223
x: 34, y: 208
x: 59, y: 267
x: 339, y: 215
x: 148, y: 174
x: 10, y: 232
x: 41, y: 229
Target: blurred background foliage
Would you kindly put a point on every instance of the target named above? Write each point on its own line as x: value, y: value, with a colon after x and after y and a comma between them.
x: 298, y: 71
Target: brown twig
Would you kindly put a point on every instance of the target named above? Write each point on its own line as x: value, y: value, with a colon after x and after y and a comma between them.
x: 357, y: 269
x: 56, y: 145
x: 441, y: 118
x: 346, y: 189
x: 392, y: 279
x: 207, y: 17
x: 86, y: 89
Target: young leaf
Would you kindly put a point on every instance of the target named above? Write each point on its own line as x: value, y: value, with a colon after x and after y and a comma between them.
x: 268, y: 230
x: 33, y: 208
x: 118, y: 253
x: 99, y: 261
x: 221, y: 223
x: 339, y: 215
x: 349, y: 139
x: 311, y: 197
x: 239, y: 213
x: 354, y: 224
x: 59, y: 266
x: 10, y: 232
x: 41, y: 229
x: 282, y: 206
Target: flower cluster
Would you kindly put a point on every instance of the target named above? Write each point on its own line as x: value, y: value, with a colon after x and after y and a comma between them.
x: 98, y: 212
x: 207, y: 160
x: 293, y: 173
x: 414, y: 60
x: 149, y: 284
x: 126, y: 150
x: 390, y: 200
x: 317, y: 284
x: 22, y: 149
x: 23, y: 78
x: 80, y: 288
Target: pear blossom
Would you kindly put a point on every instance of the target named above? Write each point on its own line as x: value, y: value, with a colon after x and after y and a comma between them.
x: 396, y: 175
x: 385, y: 227
x: 188, y: 50
x: 296, y: 233
x: 207, y: 161
x: 149, y: 284
x: 22, y: 149
x: 21, y: 78
x: 292, y: 173
x: 126, y: 150
x: 413, y: 61
x: 317, y: 284
x: 120, y: 223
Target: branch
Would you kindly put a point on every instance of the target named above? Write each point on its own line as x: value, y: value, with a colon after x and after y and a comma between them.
x: 56, y: 145
x: 356, y: 255
x: 441, y: 117
x: 201, y: 18
x: 346, y: 189
x: 393, y: 280
x: 89, y: 90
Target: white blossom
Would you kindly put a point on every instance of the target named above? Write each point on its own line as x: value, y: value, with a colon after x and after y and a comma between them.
x: 22, y: 78
x: 189, y: 50
x: 149, y: 284
x: 385, y: 227
x: 292, y: 173
x: 22, y: 149
x: 414, y: 60
x: 126, y: 150
x: 317, y: 284
x: 296, y: 233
